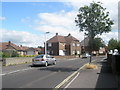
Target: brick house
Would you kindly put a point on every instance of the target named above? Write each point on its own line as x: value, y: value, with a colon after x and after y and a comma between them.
x: 63, y: 45
x: 21, y: 50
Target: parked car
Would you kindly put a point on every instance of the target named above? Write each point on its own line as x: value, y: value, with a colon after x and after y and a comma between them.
x: 85, y: 55
x: 43, y: 60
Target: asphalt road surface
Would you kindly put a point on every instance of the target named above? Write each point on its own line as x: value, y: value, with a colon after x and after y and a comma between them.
x: 40, y: 76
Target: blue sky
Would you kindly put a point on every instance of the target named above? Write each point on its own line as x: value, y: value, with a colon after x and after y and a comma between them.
x: 26, y: 22
x: 15, y: 11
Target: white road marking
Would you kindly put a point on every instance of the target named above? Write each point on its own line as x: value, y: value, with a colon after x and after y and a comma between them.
x: 71, y: 81
x: 16, y: 71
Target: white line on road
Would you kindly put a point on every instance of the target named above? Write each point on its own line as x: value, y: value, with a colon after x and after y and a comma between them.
x: 16, y: 71
x: 71, y: 81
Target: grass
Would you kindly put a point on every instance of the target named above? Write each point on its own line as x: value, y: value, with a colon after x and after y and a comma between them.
x: 90, y: 66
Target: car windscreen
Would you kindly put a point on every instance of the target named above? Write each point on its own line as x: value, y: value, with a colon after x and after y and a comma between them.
x: 39, y: 56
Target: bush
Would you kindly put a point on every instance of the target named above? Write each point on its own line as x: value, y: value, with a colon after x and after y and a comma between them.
x: 5, y: 55
x: 14, y: 54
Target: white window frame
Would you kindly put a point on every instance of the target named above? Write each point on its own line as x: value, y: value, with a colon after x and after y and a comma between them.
x: 78, y: 52
x: 49, y: 44
x: 73, y: 44
x: 78, y: 44
x: 73, y: 52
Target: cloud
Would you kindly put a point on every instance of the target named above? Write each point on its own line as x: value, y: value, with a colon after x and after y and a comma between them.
x: 111, y: 6
x: 2, y: 18
x: 22, y: 38
x: 107, y: 36
x: 61, y: 22
x: 26, y: 20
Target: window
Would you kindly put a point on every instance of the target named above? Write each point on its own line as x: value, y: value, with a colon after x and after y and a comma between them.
x: 78, y: 44
x: 78, y: 52
x: 73, y: 44
x: 73, y: 52
x: 39, y: 56
x: 49, y: 44
x: 63, y: 44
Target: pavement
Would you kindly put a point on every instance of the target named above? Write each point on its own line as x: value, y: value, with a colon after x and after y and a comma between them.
x: 102, y: 77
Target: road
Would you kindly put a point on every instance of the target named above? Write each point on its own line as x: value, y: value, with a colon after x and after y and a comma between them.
x: 25, y: 76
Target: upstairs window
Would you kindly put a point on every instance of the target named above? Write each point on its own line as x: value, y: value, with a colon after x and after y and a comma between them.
x: 49, y: 44
x: 78, y: 44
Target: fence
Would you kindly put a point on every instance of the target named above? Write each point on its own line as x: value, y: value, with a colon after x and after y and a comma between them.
x: 114, y: 62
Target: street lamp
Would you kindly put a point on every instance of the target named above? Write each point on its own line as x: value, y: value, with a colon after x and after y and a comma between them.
x: 46, y: 42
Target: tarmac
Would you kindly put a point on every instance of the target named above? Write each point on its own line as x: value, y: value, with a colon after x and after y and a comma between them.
x: 100, y: 78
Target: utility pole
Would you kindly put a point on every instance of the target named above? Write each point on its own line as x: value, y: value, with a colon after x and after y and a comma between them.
x: 46, y: 42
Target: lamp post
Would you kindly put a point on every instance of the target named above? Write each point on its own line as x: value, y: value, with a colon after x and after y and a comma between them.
x: 46, y: 42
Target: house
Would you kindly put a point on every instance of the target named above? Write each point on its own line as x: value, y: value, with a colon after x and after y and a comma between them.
x: 63, y: 45
x: 8, y: 46
x: 85, y: 47
x: 21, y: 50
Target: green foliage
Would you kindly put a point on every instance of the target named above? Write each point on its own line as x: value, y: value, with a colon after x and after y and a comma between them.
x: 14, y: 54
x: 93, y: 20
x: 113, y: 44
x: 96, y: 44
x: 6, y: 54
x: 27, y: 55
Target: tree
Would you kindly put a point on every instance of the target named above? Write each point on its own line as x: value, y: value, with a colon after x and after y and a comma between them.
x: 93, y: 20
x: 113, y: 44
x: 97, y: 43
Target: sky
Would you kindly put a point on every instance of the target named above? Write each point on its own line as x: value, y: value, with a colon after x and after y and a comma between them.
x: 25, y: 23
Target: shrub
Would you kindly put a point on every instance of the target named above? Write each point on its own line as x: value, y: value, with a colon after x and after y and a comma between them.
x: 14, y: 54
x: 5, y: 54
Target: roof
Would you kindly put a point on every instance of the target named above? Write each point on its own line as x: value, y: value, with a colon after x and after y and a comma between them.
x: 70, y: 38
x: 23, y: 47
x: 62, y: 39
x: 57, y: 38
x: 38, y: 49
x: 4, y: 45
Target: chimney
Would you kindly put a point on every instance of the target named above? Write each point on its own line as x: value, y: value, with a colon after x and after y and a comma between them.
x: 56, y: 34
x: 9, y: 42
x: 69, y: 34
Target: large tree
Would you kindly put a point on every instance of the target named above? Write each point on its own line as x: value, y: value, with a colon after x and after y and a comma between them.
x: 93, y: 20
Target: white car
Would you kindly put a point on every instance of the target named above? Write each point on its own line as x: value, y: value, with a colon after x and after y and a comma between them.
x: 85, y: 55
x: 43, y: 60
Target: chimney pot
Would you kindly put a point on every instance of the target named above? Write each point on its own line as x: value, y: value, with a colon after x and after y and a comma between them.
x: 56, y: 33
x: 69, y: 34
x: 9, y: 42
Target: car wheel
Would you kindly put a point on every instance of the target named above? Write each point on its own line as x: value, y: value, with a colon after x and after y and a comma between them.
x: 46, y: 64
x: 54, y: 62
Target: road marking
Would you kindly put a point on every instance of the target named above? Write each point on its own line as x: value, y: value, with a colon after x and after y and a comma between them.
x: 68, y: 78
x: 71, y: 81
x: 15, y: 71
x: 73, y: 59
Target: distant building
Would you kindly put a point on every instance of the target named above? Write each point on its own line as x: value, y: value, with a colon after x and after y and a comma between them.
x: 85, y: 47
x: 21, y: 50
x: 63, y: 45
